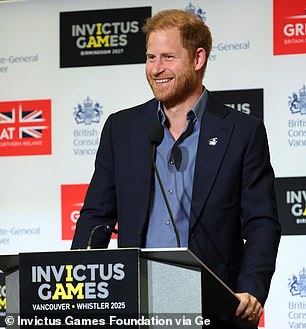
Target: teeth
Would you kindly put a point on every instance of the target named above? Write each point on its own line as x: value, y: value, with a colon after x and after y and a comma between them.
x: 162, y: 80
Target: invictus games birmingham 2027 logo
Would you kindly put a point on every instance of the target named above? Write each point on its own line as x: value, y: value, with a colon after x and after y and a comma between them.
x: 248, y: 101
x: 103, y: 37
x: 297, y: 124
x: 85, y: 136
x: 291, y: 200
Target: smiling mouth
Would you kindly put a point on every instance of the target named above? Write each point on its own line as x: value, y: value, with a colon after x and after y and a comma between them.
x: 163, y: 80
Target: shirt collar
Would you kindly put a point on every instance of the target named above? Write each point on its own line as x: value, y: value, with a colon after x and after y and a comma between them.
x: 198, y: 109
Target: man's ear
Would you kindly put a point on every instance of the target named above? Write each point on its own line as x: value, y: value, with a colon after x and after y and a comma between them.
x: 199, y: 59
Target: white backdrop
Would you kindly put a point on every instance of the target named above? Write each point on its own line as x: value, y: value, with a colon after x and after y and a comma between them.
x: 30, y: 194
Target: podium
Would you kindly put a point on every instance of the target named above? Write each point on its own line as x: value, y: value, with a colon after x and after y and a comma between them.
x: 109, y: 287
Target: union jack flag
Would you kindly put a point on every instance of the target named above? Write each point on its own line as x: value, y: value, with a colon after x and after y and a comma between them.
x: 7, y: 117
x: 25, y: 127
x: 26, y: 120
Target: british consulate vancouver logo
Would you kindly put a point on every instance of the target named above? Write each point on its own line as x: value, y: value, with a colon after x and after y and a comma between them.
x: 87, y: 113
x: 86, y: 136
x: 297, y: 102
x: 297, y: 284
x: 197, y: 11
x: 297, y: 122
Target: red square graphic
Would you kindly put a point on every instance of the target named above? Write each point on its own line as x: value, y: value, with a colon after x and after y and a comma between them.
x: 72, y: 202
x: 25, y: 127
x: 289, y: 27
x: 72, y: 198
x: 262, y: 320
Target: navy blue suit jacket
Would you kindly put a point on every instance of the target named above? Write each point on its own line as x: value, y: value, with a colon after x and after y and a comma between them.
x: 233, y: 198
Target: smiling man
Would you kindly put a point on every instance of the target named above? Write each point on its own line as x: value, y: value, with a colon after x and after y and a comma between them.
x: 213, y: 161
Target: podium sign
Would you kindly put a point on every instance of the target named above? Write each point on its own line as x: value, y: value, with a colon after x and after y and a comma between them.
x: 2, y: 300
x: 111, y: 288
x: 83, y: 286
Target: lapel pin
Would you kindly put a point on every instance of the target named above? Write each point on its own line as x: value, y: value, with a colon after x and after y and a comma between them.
x: 213, y: 141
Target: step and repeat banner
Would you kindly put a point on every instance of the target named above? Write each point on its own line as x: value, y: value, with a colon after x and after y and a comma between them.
x: 65, y: 65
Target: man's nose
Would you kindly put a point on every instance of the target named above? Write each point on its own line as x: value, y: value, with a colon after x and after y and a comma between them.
x: 158, y: 66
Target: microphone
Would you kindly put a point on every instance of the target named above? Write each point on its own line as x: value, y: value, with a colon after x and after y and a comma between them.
x: 156, y: 134
x: 156, y: 137
x: 108, y: 230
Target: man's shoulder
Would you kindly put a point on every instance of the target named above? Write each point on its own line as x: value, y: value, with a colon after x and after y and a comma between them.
x: 136, y: 120
x: 136, y: 110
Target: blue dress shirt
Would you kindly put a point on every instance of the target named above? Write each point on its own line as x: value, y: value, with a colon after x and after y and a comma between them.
x: 178, y: 183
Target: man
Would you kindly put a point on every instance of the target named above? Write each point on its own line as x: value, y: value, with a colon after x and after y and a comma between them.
x: 213, y: 160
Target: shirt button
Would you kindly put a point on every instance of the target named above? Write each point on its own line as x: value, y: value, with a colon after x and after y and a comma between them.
x: 167, y: 222
x: 172, y: 162
x: 170, y: 192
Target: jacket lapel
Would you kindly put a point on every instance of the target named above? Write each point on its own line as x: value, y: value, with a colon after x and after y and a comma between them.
x: 143, y: 168
x: 214, y: 138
